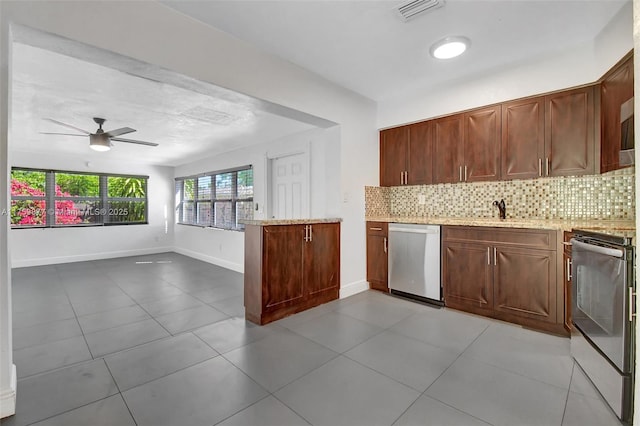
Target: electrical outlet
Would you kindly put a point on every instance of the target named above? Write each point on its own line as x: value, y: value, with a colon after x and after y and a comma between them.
x: 422, y: 199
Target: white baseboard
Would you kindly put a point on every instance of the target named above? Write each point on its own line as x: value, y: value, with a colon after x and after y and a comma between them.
x: 8, y: 396
x: 210, y: 259
x: 353, y: 288
x: 86, y: 257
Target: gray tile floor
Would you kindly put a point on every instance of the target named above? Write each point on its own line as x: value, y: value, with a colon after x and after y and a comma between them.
x: 160, y: 340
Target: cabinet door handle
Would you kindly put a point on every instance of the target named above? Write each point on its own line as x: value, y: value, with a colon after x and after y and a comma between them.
x: 631, y: 303
x: 539, y: 166
x: 568, y: 269
x: 375, y: 229
x: 385, y: 244
x: 495, y: 257
x: 310, y: 233
x: 548, y: 166
x: 460, y: 173
x: 306, y: 232
x: 401, y: 177
x: 488, y: 255
x: 465, y: 173
x: 406, y: 178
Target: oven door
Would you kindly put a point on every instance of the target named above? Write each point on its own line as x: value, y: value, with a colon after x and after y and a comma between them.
x: 600, y: 300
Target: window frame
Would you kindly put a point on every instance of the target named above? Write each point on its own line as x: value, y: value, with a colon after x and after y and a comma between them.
x: 102, y: 200
x: 211, y: 200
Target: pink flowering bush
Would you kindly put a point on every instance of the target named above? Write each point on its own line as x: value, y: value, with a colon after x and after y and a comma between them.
x: 33, y: 212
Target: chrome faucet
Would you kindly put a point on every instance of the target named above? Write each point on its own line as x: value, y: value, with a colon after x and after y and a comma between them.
x: 502, y: 207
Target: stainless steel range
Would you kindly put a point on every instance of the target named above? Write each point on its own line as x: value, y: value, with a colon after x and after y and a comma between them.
x: 602, y: 308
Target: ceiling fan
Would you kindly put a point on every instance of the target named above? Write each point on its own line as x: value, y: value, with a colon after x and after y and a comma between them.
x: 100, y: 140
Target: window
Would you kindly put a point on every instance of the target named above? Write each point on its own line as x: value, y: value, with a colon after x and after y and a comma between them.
x: 50, y: 198
x: 217, y: 199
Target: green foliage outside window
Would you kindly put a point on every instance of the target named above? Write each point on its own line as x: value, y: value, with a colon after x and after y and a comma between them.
x: 79, y: 185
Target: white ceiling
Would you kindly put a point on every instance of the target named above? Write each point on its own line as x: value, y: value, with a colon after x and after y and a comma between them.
x: 364, y: 46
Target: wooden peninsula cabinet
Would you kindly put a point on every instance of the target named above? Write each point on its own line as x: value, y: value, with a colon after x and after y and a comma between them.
x: 289, y: 266
x: 509, y: 274
x: 377, y: 255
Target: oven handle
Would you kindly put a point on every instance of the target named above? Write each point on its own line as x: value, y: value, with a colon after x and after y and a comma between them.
x: 607, y: 251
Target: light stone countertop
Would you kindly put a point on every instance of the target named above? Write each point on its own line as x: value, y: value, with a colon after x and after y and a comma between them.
x: 554, y: 224
x: 269, y: 222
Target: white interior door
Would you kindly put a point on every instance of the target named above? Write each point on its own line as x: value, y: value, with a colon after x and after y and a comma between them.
x: 290, y: 187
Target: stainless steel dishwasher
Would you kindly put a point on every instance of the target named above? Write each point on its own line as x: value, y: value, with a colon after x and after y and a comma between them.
x: 414, y: 261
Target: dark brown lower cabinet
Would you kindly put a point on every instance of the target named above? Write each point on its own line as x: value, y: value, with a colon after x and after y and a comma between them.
x: 524, y: 283
x: 289, y: 268
x: 377, y: 256
x: 466, y: 275
x: 504, y: 273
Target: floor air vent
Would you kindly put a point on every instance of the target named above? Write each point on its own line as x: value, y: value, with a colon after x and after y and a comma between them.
x: 414, y: 8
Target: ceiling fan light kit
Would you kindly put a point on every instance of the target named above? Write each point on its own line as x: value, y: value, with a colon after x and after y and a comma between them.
x: 100, y: 140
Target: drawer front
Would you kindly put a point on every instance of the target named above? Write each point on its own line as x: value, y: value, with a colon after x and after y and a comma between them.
x: 377, y: 228
x: 516, y: 237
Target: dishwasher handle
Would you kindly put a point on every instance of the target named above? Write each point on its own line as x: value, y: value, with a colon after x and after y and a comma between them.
x: 413, y: 230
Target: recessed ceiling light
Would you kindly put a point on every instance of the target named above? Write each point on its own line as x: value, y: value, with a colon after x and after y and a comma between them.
x: 449, y: 47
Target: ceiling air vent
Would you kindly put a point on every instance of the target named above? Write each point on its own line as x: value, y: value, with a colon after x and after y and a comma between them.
x: 411, y: 9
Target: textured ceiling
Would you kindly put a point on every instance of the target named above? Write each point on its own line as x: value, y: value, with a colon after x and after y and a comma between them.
x: 186, y: 124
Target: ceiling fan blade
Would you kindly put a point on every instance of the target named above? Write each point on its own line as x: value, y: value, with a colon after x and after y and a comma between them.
x: 120, y: 131
x: 134, y: 141
x: 67, y: 125
x: 63, y: 134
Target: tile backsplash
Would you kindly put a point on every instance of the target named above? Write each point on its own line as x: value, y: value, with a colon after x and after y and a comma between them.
x: 607, y: 196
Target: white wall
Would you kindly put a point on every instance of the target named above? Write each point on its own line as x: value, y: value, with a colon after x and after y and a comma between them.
x: 226, y: 248
x: 583, y: 64
x: 7, y: 369
x: 60, y: 245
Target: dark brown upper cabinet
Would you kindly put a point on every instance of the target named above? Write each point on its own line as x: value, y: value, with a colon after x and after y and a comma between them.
x: 616, y: 88
x: 522, y: 138
x: 551, y: 135
x: 405, y: 155
x: 394, y: 145
x: 481, y: 150
x: 447, y: 149
x: 570, y: 133
x: 419, y: 160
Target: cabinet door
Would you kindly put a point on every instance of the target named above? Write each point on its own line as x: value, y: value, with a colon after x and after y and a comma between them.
x: 377, y: 262
x: 522, y: 138
x: 322, y: 259
x: 616, y: 88
x: 393, y: 155
x: 466, y: 277
x: 524, y: 283
x: 447, y: 149
x: 419, y: 159
x: 282, y: 271
x: 569, y: 133
x: 482, y: 132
